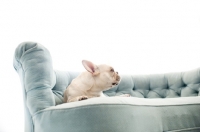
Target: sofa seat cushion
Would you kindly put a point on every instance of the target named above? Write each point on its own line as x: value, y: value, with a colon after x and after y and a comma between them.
x: 117, y: 114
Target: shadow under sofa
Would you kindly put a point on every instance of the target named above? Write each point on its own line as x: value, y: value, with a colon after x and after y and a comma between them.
x: 158, y: 102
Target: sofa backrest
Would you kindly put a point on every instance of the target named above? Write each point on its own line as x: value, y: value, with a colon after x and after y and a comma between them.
x: 170, y: 85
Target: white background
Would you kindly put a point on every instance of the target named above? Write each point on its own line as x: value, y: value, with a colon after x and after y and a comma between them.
x: 135, y: 37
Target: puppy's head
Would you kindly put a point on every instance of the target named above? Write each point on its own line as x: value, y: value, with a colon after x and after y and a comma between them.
x: 105, y: 76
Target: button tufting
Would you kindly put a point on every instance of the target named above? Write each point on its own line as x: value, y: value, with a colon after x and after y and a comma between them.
x: 184, y: 85
x: 150, y: 88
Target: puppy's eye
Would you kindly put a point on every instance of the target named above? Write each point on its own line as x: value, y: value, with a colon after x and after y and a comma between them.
x: 112, y: 70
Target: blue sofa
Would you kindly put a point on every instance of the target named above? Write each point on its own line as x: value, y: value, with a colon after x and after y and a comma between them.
x: 159, y: 102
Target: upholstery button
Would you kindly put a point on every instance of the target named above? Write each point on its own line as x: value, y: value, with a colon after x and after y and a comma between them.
x: 149, y: 88
x: 184, y: 85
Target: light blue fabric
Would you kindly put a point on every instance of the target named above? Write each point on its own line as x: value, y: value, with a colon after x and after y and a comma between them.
x: 160, y: 102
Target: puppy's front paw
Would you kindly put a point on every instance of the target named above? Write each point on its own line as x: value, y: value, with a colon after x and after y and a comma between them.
x: 125, y: 95
x: 82, y: 98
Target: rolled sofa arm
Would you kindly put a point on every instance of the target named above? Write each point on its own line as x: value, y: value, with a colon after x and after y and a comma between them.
x: 33, y: 63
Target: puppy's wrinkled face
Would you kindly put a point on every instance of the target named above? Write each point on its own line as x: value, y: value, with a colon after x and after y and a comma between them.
x: 105, y: 76
x: 108, y: 75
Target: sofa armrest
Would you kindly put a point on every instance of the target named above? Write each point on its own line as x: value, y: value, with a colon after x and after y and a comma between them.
x: 33, y: 62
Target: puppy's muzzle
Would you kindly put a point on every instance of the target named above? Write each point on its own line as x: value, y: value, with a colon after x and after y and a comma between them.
x: 117, y: 78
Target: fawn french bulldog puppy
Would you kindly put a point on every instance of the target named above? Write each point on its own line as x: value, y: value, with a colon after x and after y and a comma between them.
x: 92, y: 82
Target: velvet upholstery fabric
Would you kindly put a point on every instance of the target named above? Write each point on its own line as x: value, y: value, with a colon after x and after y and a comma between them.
x: 159, y: 102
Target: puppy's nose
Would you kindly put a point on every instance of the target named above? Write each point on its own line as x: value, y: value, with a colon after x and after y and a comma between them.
x: 118, y: 78
x: 117, y: 72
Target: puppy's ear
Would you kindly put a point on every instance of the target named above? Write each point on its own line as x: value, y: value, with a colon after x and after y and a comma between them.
x: 90, y: 67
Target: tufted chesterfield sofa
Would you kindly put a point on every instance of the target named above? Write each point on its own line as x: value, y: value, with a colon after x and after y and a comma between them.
x: 160, y: 102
